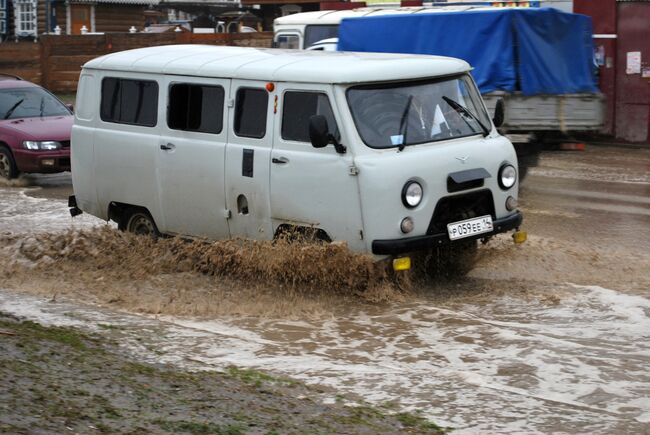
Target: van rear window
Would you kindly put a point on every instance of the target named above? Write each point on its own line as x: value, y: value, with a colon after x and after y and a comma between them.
x: 127, y: 101
x: 196, y: 108
x: 250, y: 112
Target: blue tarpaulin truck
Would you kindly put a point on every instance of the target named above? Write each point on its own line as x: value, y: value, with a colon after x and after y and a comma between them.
x: 539, y: 61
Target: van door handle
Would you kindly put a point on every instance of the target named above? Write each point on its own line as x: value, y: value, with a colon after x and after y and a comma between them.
x: 280, y: 161
x: 168, y: 147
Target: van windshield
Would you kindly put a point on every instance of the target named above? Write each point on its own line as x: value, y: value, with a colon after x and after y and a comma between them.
x: 411, y: 113
x: 318, y: 32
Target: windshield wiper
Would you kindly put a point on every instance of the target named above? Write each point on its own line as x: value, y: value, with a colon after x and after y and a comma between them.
x: 403, y: 125
x: 10, y: 111
x: 465, y: 113
x: 42, y: 106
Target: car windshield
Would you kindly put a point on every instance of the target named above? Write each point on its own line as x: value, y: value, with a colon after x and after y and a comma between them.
x: 411, y: 113
x: 29, y: 103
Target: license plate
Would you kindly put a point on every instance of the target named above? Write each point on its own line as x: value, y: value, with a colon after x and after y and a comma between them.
x: 470, y: 227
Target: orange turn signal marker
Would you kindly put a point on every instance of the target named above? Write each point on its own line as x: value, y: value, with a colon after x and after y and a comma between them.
x: 402, y: 263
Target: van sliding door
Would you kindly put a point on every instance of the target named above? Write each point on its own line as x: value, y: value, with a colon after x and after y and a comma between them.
x: 191, y: 157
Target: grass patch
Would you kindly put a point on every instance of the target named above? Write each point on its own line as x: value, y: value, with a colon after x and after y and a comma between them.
x: 256, y: 377
x: 194, y: 428
x: 419, y: 423
x: 66, y: 336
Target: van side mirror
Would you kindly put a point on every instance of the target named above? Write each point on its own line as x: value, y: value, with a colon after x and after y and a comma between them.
x: 499, y: 113
x: 318, y: 131
x: 320, y: 135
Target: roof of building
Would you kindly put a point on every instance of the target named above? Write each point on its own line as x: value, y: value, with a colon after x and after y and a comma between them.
x: 270, y: 64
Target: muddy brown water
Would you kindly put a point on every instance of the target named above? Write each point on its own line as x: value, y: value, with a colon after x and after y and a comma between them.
x: 550, y: 336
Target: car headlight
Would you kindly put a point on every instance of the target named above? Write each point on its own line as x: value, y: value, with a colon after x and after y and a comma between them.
x: 412, y: 194
x: 47, y: 145
x: 507, y: 176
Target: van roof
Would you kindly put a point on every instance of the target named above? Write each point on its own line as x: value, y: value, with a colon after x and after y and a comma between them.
x: 335, y: 16
x: 270, y: 64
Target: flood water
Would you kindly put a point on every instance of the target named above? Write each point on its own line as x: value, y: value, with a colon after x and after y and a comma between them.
x: 552, y: 336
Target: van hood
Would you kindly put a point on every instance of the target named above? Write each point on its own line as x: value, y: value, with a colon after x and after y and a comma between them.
x: 383, y: 175
x: 48, y: 128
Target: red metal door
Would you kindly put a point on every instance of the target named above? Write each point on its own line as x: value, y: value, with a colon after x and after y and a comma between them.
x: 633, y: 85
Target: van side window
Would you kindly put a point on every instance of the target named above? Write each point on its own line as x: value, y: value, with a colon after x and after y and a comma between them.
x: 298, y: 108
x: 127, y: 101
x: 250, y: 112
x: 195, y: 108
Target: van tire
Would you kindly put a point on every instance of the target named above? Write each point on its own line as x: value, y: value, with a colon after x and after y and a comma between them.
x: 8, y: 168
x: 138, y: 221
x: 450, y: 261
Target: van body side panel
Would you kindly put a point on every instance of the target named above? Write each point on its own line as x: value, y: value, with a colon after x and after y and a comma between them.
x: 125, y: 156
x: 191, y: 163
x: 315, y: 187
x: 247, y: 172
x: 82, y: 145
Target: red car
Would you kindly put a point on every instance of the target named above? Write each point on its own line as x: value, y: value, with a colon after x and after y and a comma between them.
x: 34, y: 129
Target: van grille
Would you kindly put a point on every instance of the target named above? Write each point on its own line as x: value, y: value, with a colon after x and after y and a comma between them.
x: 460, y: 207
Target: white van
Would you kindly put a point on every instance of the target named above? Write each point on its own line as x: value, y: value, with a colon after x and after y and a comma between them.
x: 390, y: 153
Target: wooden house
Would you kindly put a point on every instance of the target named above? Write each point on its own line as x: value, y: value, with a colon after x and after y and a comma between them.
x: 30, y: 18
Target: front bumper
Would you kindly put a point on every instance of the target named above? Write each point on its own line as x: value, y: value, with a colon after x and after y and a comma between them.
x: 421, y: 243
x: 42, y: 161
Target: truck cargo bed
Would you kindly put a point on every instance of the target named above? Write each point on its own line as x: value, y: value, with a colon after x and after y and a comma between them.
x: 565, y: 113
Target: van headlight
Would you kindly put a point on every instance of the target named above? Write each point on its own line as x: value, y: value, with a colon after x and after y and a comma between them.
x: 47, y: 145
x: 507, y: 176
x: 412, y: 194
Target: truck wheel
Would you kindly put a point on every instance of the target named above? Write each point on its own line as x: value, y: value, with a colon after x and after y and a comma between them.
x: 141, y: 223
x: 8, y: 169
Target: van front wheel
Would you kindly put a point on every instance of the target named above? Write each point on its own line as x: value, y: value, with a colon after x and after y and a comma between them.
x: 449, y: 261
x: 141, y: 223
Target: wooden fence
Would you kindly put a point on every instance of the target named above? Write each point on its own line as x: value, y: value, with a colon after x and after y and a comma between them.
x: 55, y: 61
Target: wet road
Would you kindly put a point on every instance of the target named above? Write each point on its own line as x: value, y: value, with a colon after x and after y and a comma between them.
x: 551, y: 336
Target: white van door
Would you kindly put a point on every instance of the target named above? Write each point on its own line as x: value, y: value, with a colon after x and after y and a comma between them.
x: 309, y: 186
x: 191, y: 156
x: 126, y: 142
x: 247, y: 160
